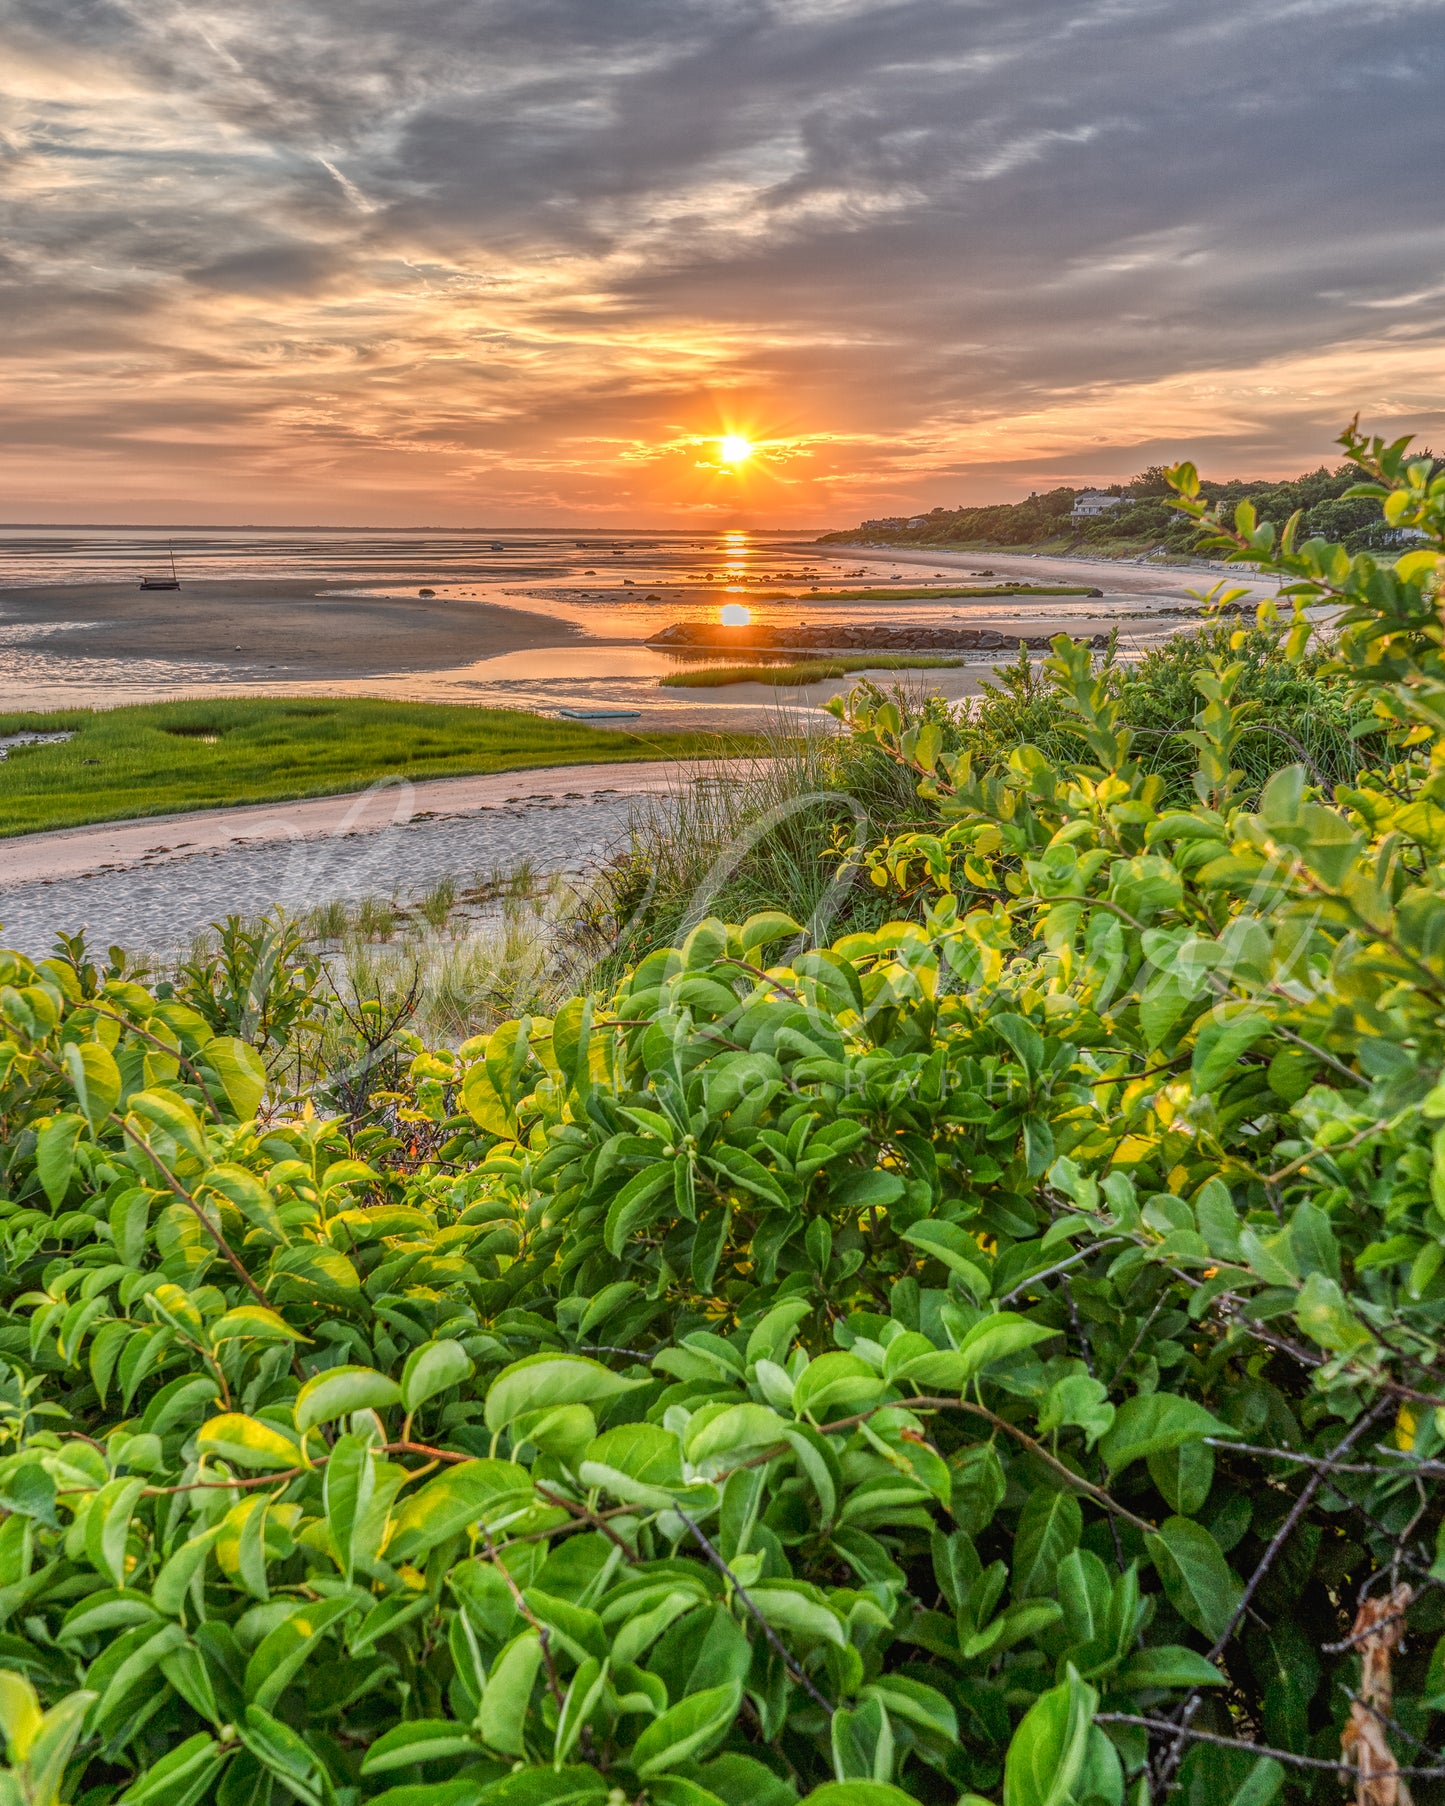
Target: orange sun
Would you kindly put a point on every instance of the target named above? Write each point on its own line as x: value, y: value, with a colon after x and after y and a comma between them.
x: 733, y: 448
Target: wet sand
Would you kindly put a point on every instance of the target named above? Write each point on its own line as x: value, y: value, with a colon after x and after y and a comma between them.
x: 294, y: 627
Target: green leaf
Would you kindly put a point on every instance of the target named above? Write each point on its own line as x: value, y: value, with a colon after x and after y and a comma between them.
x: 991, y: 1339
x: 583, y: 1696
x: 859, y: 1793
x: 107, y: 1526
x: 638, y: 1462
x: 1049, y: 1527
x: 551, y: 1379
x: 417, y: 1740
x: 338, y: 1391
x: 836, y: 1383
x: 1200, y: 1584
x: 486, y: 1491
x: 1261, y: 1784
x: 181, y: 1777
x: 956, y: 1249
x: 733, y: 1428
x: 487, y: 1109
x: 1184, y: 1476
x: 435, y: 1793
x: 766, y: 926
x: 687, y: 1730
x: 246, y: 1442
x: 278, y: 1748
x: 51, y: 1744
x: 96, y: 1078
x: 55, y: 1154
x: 1147, y: 1425
x: 112, y: 1608
x: 173, y: 1116
x: 863, y: 1742
x: 281, y: 1653
x: 243, y: 1077
x: 790, y: 1608
x: 545, y: 1787
x: 249, y: 1517
x: 349, y: 1484
x: 1324, y: 1316
x: 916, y: 1703
x: 431, y: 1369
x: 20, y: 1714
x: 179, y: 1571
x: 636, y: 1204
x: 1219, y: 1043
x: 254, y: 1320
x: 503, y: 1713
x: 249, y: 1195
x: 1048, y: 1751
x: 1169, y: 1665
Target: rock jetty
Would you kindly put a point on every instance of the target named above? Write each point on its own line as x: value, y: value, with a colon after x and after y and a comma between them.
x: 826, y: 637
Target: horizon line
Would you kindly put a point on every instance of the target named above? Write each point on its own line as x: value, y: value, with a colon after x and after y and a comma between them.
x: 337, y: 527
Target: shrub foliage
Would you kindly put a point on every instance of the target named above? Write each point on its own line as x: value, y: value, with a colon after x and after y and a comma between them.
x: 996, y: 1355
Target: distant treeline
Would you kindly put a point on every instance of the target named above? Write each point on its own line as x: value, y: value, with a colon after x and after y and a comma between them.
x: 1143, y: 519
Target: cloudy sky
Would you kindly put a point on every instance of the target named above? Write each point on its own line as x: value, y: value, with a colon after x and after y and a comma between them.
x: 457, y: 261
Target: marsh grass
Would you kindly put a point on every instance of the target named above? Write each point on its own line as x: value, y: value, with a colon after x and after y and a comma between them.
x: 160, y: 758
x: 904, y: 593
x: 804, y: 671
x: 328, y: 921
x: 376, y: 919
x: 437, y: 904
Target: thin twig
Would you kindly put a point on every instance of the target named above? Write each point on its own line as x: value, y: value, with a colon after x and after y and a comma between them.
x: 554, y: 1686
x: 774, y: 1641
x: 585, y: 1514
x: 1062, y: 1267
x: 1190, y: 1706
x: 1165, y: 1728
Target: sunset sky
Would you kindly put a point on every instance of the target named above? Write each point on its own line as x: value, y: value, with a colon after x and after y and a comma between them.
x: 526, y: 261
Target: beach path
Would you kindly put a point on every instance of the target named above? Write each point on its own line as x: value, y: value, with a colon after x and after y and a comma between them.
x: 157, y: 882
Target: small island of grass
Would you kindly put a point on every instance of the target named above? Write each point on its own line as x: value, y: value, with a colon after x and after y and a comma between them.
x: 801, y: 671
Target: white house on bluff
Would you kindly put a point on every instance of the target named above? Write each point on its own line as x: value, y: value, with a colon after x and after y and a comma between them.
x: 1089, y: 502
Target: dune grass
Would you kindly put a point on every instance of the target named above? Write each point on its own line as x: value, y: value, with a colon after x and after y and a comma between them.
x: 805, y: 671
x: 160, y: 758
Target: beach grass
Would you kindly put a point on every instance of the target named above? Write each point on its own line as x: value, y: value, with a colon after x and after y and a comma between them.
x: 163, y: 758
x: 804, y: 671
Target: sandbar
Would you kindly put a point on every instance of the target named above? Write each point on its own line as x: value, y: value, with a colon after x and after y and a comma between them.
x: 243, y: 626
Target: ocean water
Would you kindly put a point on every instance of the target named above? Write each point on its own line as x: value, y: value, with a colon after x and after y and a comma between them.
x: 383, y: 558
x: 607, y: 592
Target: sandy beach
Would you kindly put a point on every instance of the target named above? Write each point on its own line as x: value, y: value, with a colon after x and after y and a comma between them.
x: 153, y: 884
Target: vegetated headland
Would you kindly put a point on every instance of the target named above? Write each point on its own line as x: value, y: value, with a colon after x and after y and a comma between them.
x: 1137, y: 517
x: 87, y: 765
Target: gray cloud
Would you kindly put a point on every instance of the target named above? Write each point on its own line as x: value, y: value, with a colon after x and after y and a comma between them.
x: 446, y: 235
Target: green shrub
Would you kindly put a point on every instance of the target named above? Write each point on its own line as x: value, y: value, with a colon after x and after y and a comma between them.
x: 994, y: 1354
